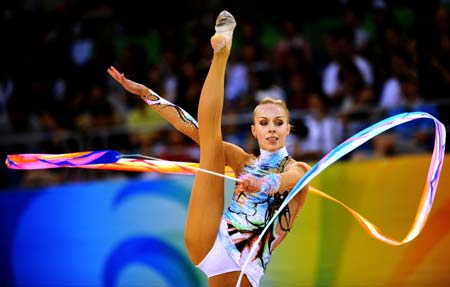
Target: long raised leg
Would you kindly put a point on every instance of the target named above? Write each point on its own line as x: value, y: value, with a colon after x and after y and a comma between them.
x: 207, y: 197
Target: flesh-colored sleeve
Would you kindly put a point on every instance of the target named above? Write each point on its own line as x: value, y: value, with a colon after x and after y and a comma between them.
x: 292, y: 174
x: 175, y: 115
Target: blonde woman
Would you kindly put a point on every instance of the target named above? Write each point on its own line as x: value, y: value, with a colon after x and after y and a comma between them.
x: 218, y: 241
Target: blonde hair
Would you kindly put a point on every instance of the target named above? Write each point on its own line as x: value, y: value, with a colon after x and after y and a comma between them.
x: 269, y: 100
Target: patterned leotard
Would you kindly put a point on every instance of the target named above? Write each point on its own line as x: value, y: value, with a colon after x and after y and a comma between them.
x: 249, y: 213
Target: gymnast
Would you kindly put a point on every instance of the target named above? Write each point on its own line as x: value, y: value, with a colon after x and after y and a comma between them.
x: 219, y: 241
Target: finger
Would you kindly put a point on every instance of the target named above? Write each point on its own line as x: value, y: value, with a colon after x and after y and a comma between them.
x: 112, y: 72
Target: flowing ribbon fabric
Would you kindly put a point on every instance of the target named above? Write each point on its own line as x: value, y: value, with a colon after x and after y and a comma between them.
x: 46, y: 161
x: 349, y: 145
x: 113, y: 160
x: 107, y: 160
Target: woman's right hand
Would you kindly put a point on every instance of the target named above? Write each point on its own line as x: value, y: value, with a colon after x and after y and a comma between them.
x: 130, y: 86
x: 249, y: 183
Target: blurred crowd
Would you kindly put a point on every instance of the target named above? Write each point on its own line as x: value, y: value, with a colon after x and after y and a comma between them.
x: 340, y: 66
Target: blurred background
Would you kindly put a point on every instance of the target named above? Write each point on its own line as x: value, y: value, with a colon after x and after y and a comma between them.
x: 340, y: 66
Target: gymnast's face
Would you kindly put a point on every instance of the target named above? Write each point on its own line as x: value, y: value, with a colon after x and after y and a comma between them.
x: 270, y: 126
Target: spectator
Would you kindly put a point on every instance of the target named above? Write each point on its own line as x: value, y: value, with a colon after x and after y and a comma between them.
x: 143, y: 124
x: 353, y: 93
x: 325, y: 131
x: 353, y: 16
x: 340, y: 48
x: 401, y: 62
x: 412, y: 137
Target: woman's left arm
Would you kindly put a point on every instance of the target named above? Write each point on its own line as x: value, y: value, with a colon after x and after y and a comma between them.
x: 292, y: 174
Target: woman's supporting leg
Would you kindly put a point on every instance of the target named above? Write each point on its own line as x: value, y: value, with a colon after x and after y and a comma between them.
x: 207, y: 197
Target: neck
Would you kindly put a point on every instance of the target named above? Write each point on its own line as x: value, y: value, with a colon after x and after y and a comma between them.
x: 281, y: 151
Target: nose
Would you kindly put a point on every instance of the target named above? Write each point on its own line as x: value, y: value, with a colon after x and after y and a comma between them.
x: 271, y: 128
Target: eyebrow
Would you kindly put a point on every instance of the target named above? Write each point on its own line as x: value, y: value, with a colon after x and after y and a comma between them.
x: 277, y: 117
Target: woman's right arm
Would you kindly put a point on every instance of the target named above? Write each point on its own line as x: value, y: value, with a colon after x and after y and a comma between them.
x: 235, y: 156
x: 175, y: 115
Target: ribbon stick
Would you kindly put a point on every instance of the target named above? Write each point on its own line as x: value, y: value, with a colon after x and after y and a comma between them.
x: 160, y: 166
x: 352, y: 143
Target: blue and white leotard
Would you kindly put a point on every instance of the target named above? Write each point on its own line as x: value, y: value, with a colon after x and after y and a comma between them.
x: 248, y: 214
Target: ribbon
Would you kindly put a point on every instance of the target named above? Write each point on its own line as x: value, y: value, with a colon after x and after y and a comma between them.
x: 107, y: 160
x: 76, y: 159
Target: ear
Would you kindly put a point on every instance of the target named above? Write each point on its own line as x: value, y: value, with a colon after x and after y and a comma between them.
x: 289, y: 129
x: 253, y: 130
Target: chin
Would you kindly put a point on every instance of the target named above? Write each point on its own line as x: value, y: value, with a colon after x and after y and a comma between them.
x: 272, y: 148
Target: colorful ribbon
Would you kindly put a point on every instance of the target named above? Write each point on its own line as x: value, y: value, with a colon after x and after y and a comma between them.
x: 349, y: 145
x: 106, y: 160
x: 76, y: 159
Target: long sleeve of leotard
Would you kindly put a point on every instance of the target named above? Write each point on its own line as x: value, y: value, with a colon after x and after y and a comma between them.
x: 292, y: 174
x: 174, y: 114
